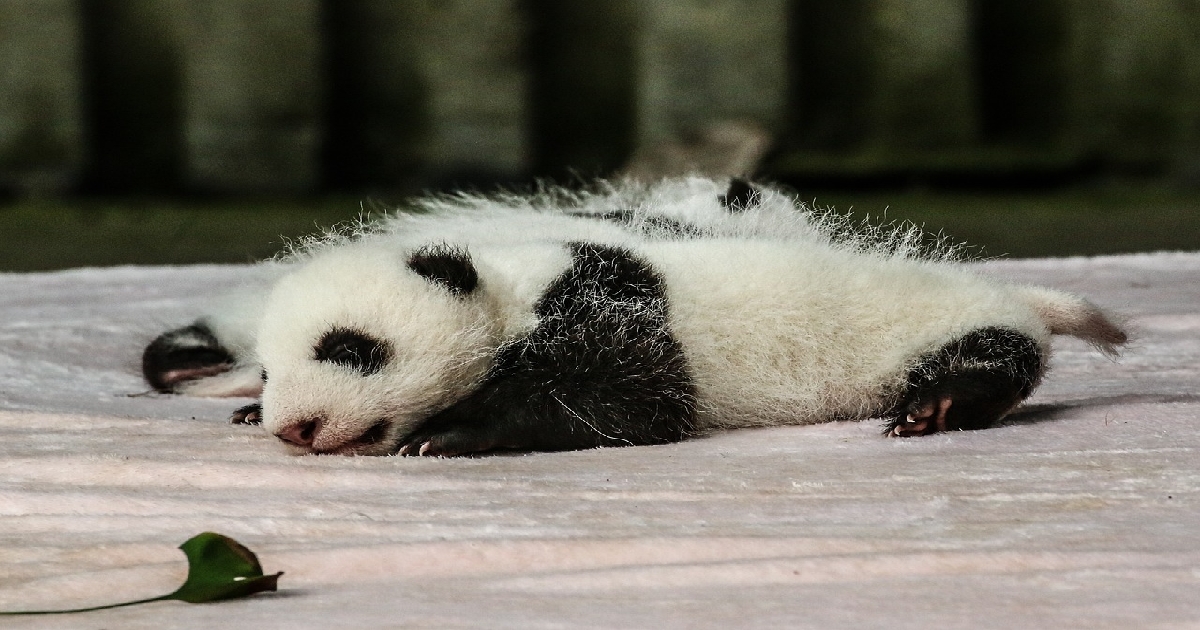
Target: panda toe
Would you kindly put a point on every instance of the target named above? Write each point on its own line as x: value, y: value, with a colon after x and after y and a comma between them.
x: 451, y: 443
x: 249, y: 414
x: 922, y: 418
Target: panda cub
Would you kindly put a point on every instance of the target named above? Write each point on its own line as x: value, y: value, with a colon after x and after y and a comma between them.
x: 448, y: 348
x: 215, y: 355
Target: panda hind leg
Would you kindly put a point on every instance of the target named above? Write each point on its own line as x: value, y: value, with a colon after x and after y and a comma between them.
x: 184, y: 354
x: 969, y: 383
x: 192, y: 360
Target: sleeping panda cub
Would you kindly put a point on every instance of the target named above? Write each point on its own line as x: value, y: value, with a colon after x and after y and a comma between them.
x: 441, y: 349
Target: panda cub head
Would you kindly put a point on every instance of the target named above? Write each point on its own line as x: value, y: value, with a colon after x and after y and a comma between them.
x: 361, y: 344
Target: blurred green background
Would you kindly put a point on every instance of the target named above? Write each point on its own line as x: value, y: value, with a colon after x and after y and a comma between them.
x: 184, y: 131
x: 56, y: 234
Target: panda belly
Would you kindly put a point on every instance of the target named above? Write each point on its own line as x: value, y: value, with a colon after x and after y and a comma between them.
x: 779, y: 334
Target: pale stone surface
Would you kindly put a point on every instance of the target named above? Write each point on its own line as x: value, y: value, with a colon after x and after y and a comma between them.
x: 1081, y: 511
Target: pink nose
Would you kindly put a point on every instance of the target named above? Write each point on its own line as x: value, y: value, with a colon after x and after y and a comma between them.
x: 301, y: 433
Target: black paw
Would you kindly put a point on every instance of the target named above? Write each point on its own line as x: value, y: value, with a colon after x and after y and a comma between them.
x: 964, y: 404
x: 968, y: 384
x: 250, y: 414
x: 449, y: 443
x: 921, y: 418
x: 184, y: 354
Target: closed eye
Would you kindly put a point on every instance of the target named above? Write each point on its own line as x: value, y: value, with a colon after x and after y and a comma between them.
x: 352, y: 349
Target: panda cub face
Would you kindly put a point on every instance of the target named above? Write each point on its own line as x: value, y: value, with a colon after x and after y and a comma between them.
x: 360, y: 345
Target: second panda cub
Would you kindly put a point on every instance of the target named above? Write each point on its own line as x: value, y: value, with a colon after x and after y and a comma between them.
x: 372, y: 350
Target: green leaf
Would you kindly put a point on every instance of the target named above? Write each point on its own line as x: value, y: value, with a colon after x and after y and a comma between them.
x: 219, y: 567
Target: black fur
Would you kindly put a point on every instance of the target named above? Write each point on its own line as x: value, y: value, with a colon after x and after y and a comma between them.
x: 741, y: 195
x: 184, y: 354
x: 985, y: 374
x: 249, y: 414
x: 448, y: 266
x: 352, y: 349
x: 600, y: 369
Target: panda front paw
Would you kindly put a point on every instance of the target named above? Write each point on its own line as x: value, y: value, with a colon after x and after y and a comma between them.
x: 450, y: 443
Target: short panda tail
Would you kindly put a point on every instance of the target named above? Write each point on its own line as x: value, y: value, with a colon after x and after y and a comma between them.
x: 1066, y: 314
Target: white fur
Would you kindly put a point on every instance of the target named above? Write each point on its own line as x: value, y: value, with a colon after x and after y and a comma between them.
x: 234, y: 321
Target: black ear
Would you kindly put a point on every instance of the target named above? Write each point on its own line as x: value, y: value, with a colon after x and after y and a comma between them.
x: 445, y: 265
x: 741, y: 195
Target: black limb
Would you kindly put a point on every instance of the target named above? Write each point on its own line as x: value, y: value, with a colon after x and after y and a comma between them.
x: 601, y: 368
x: 968, y: 384
x: 184, y: 354
x: 249, y: 414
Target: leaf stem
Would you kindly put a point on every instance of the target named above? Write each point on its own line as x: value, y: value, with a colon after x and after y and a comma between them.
x: 89, y: 609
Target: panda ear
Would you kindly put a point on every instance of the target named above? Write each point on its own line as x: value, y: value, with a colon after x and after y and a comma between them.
x: 447, y: 266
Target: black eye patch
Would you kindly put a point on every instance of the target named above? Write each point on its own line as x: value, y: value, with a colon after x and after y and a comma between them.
x: 352, y: 349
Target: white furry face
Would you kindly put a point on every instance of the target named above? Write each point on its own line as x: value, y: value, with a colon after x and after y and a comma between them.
x: 358, y: 348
